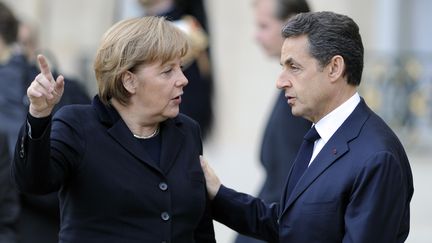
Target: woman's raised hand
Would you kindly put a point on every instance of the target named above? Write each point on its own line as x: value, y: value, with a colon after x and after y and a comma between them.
x: 44, y: 92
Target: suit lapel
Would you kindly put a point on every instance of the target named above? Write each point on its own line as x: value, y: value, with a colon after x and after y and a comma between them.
x: 334, y: 149
x: 172, y: 136
x: 324, y: 159
x: 172, y: 141
x: 120, y: 132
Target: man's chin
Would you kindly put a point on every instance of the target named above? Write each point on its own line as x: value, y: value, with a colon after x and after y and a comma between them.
x: 295, y: 111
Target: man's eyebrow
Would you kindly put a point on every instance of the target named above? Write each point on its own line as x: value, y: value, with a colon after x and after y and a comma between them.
x: 288, y: 61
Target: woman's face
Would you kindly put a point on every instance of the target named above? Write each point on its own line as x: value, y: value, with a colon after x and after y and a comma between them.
x: 158, y: 88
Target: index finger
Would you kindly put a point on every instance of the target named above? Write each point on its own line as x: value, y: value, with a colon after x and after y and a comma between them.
x: 44, y: 67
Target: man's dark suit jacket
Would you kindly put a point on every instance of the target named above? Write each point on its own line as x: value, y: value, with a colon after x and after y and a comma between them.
x: 110, y: 189
x: 357, y: 189
x: 281, y: 141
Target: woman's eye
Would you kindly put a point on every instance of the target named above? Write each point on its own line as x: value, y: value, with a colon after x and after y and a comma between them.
x: 167, y: 70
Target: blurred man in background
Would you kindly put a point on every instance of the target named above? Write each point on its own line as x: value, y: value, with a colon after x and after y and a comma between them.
x: 9, y: 206
x: 284, y: 132
x: 39, y: 215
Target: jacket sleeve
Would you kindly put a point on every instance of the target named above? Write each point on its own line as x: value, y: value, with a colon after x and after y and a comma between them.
x: 46, y: 155
x: 204, y: 233
x: 246, y: 214
x: 205, y: 230
x: 378, y: 210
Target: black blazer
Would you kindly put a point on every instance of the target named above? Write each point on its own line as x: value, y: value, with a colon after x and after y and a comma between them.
x: 110, y: 190
x: 357, y: 189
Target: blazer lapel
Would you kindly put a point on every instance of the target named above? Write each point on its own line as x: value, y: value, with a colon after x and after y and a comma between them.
x: 335, y: 148
x: 120, y: 132
x: 172, y: 142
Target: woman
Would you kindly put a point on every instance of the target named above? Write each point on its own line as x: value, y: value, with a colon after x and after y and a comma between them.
x: 190, y: 15
x: 127, y: 166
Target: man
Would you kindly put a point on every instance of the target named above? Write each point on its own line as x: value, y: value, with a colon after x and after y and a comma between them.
x: 357, y: 186
x: 9, y: 209
x: 284, y: 132
x: 39, y: 216
x: 12, y: 76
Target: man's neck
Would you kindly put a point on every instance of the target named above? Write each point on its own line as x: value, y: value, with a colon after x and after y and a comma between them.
x: 158, y: 7
x: 5, y: 52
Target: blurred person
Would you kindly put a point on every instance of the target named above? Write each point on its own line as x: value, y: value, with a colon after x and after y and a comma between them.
x: 18, y: 45
x: 284, y: 132
x: 351, y: 180
x: 127, y: 166
x: 12, y: 77
x: 191, y: 17
x: 13, y: 105
x: 28, y: 42
x: 39, y: 215
x: 9, y: 206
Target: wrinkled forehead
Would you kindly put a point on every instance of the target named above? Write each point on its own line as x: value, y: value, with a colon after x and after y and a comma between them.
x: 296, y: 43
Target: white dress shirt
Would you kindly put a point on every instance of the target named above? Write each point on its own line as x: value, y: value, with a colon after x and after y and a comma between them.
x: 328, y: 125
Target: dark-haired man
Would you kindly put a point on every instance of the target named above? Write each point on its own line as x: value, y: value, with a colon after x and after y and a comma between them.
x: 356, y: 184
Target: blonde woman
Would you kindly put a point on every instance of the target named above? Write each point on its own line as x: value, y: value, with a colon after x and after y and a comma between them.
x: 127, y: 166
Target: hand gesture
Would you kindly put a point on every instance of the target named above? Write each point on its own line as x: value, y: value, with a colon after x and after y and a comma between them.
x: 212, y: 181
x: 44, y: 92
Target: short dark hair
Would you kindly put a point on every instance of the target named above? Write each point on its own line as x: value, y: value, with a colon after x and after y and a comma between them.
x: 287, y: 8
x: 8, y: 25
x: 330, y: 34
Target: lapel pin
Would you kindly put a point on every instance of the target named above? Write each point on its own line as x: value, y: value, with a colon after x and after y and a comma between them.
x: 334, y: 151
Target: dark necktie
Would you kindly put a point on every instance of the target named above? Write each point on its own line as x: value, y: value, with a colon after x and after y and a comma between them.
x: 302, y: 160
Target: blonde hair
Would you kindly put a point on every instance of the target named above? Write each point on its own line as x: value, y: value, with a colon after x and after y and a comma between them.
x: 130, y: 43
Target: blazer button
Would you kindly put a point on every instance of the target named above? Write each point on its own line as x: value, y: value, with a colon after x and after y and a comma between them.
x: 165, y: 216
x: 163, y: 186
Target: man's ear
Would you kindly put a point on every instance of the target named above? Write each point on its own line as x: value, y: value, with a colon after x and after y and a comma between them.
x: 336, y: 67
x: 129, y: 83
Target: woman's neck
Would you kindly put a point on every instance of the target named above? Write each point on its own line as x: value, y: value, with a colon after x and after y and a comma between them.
x: 137, y: 124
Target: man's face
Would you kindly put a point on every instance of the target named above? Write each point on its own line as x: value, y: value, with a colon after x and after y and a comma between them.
x: 148, y: 2
x: 306, y: 84
x: 268, y: 28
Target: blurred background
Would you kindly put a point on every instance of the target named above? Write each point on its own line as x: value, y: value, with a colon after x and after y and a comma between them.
x: 397, y: 79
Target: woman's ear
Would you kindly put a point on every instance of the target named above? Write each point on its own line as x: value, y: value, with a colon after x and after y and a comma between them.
x: 336, y: 67
x: 129, y: 83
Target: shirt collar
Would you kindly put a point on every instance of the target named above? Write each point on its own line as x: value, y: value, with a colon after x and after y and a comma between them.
x: 328, y: 125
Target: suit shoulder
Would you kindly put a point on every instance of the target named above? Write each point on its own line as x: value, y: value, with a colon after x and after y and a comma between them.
x: 377, y: 137
x: 73, y: 112
x: 188, y: 121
